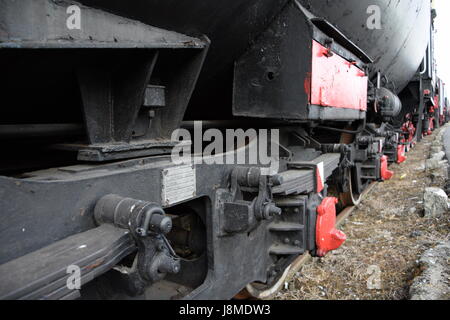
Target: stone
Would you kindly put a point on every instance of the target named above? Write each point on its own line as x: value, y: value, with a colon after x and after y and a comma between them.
x: 431, y: 164
x: 433, y: 282
x: 436, y: 149
x: 447, y: 188
x: 434, y: 163
x: 415, y: 234
x: 435, y: 202
x: 438, y: 156
x: 440, y: 172
x: 436, y: 143
x: 421, y: 167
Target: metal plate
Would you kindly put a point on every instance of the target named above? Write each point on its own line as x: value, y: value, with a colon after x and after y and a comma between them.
x: 331, y: 76
x: 178, y: 184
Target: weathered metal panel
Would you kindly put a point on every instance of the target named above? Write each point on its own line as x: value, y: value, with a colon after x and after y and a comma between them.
x: 398, y: 47
x: 45, y: 24
x: 332, y: 78
x: 269, y: 78
x: 232, y: 26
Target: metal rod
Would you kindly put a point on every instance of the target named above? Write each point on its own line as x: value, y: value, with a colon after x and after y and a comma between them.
x: 40, y: 130
x: 360, y: 129
x: 425, y: 63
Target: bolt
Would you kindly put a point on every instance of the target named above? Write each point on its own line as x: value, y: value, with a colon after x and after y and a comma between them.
x: 165, y: 225
x: 161, y: 223
x: 141, y: 232
x: 270, y: 210
x: 287, y: 240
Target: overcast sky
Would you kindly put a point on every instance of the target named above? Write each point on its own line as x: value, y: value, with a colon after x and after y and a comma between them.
x: 442, y: 38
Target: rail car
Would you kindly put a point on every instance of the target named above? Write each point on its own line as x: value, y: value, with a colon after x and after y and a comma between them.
x: 100, y: 94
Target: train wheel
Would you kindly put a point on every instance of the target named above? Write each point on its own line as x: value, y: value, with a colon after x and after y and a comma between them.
x: 349, y: 198
x: 263, y: 291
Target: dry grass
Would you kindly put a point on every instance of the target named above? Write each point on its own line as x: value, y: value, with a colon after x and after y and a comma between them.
x: 384, y: 231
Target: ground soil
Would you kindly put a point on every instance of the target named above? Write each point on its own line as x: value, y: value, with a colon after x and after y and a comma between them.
x: 386, y: 235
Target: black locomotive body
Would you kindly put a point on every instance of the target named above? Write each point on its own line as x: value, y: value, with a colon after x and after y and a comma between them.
x: 98, y: 93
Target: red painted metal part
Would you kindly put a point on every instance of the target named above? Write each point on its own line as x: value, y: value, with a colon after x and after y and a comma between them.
x: 336, y: 82
x: 436, y: 101
x: 401, y: 151
x: 386, y: 174
x: 409, y: 128
x: 430, y: 126
x: 328, y: 238
x: 307, y: 86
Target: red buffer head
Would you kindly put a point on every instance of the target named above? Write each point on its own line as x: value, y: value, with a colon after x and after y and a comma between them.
x: 386, y: 174
x: 430, y: 126
x: 401, y: 150
x: 328, y: 238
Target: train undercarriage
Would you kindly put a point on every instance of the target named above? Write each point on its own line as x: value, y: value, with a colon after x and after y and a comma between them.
x: 89, y: 179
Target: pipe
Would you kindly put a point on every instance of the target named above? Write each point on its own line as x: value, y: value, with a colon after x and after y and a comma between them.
x: 238, y: 123
x: 15, y: 131
x: 360, y: 129
x: 425, y: 62
x: 378, y: 80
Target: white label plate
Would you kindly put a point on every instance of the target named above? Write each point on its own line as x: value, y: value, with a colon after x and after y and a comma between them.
x: 178, y: 184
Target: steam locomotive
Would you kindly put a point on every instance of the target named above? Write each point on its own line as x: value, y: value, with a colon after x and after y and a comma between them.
x: 93, y: 205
